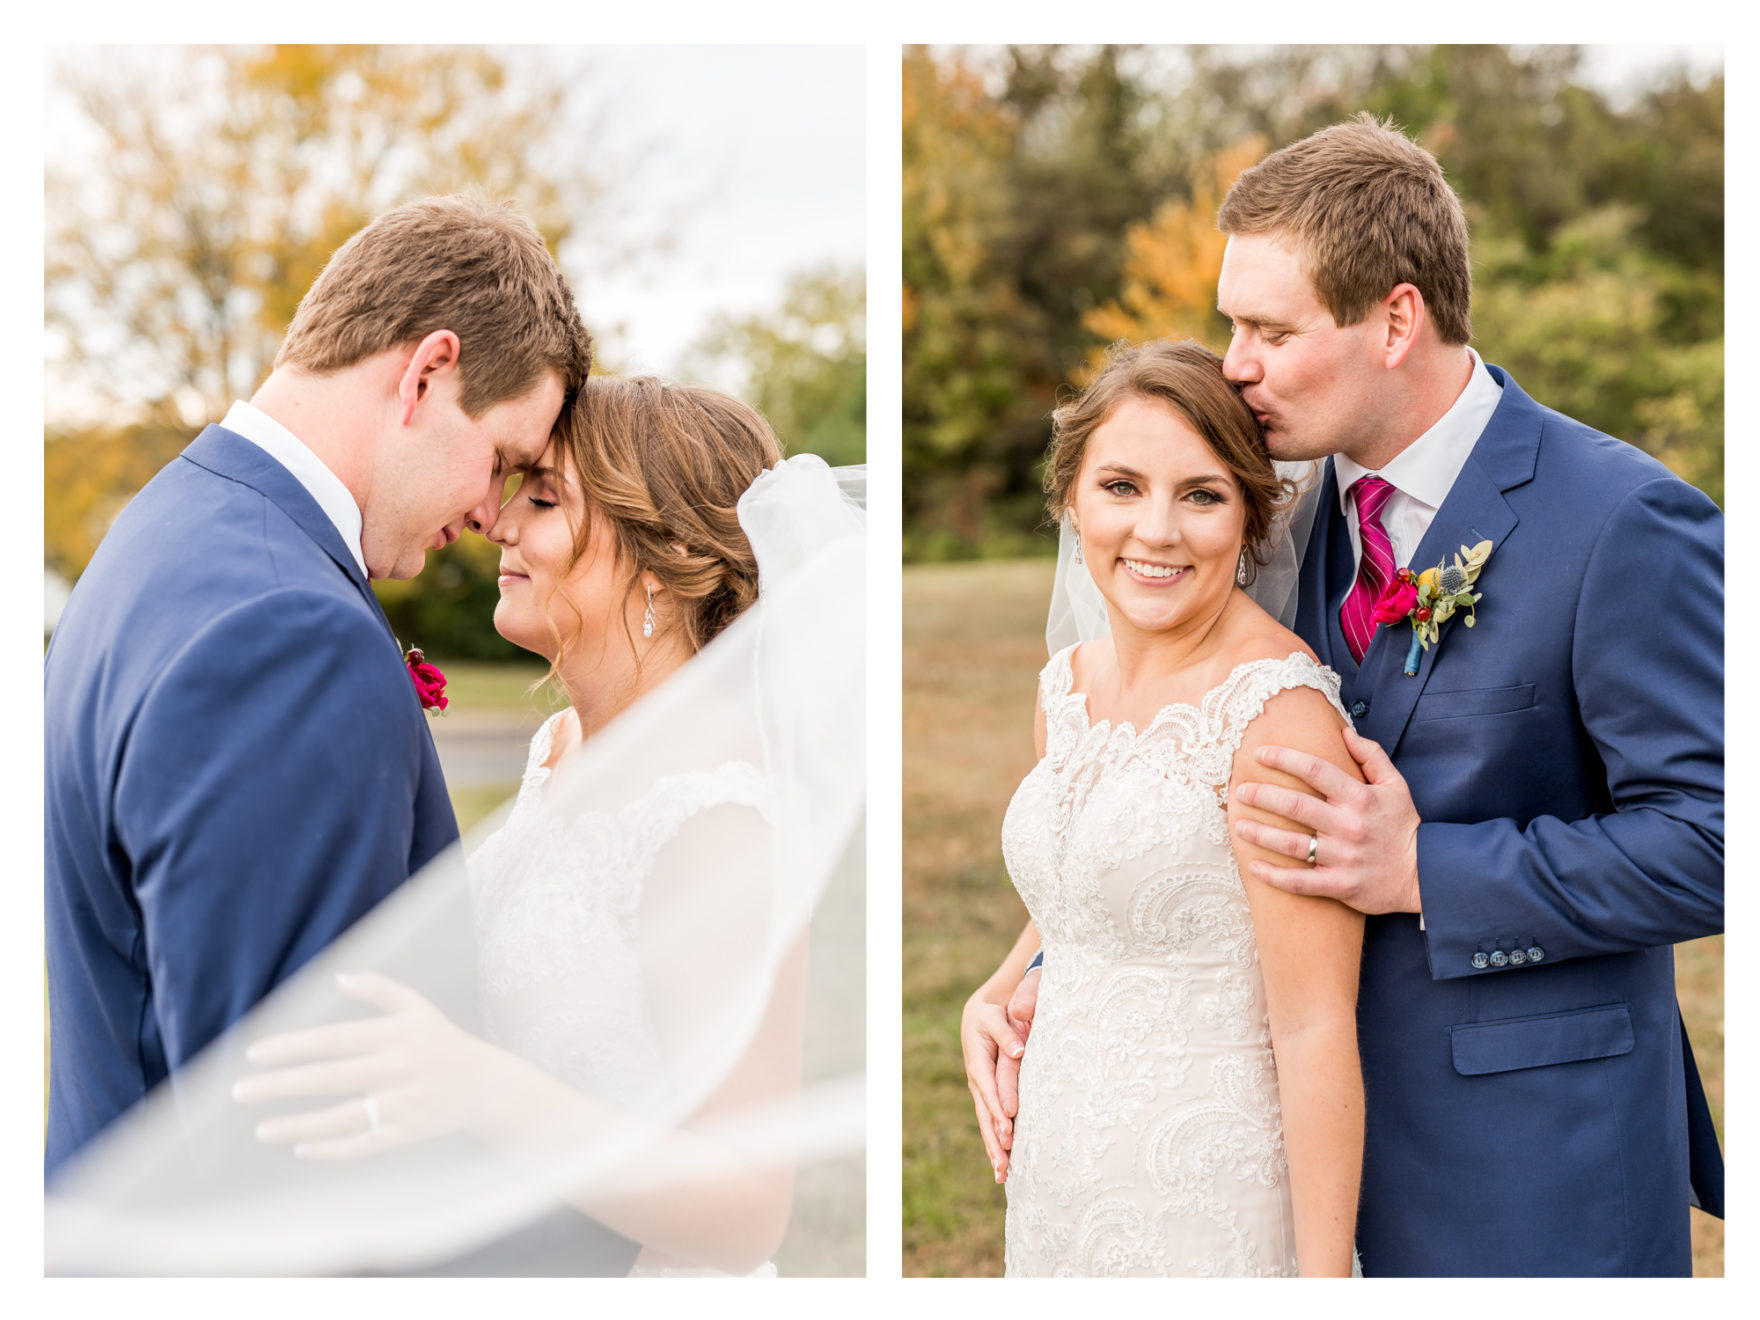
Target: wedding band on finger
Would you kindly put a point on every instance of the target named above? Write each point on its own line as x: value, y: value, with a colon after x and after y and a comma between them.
x: 371, y: 1107
x: 1313, y: 849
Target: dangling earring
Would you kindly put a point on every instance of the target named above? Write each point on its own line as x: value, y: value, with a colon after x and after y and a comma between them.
x: 648, y: 616
x: 1240, y: 572
x: 1078, y: 532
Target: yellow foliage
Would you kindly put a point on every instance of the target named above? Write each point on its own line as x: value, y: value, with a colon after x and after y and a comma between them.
x: 1169, y: 286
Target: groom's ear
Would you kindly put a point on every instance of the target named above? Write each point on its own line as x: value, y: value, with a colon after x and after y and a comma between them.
x: 434, y: 357
x: 1404, y: 313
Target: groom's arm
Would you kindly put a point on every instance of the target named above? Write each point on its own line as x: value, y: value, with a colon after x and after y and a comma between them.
x: 1647, y: 677
x: 1647, y: 666
x: 265, y: 801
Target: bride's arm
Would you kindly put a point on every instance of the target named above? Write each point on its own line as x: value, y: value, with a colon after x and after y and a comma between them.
x: 985, y: 1033
x: 1309, y: 953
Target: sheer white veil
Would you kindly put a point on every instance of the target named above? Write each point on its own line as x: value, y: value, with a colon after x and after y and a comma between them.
x: 181, y: 1185
x: 1078, y: 611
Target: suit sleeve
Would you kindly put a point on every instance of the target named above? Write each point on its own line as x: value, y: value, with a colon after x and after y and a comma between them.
x: 1647, y: 666
x: 265, y: 799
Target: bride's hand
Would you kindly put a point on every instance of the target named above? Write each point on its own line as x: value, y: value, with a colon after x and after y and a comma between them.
x: 984, y: 1033
x: 410, y: 1075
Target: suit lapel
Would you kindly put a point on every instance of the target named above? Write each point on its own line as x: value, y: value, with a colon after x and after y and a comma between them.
x: 1316, y: 588
x: 1474, y: 511
x: 230, y: 455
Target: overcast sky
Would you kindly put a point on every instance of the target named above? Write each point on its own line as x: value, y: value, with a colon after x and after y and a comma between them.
x: 756, y: 171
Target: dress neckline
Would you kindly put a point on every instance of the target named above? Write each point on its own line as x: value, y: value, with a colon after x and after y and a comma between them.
x: 1065, y: 659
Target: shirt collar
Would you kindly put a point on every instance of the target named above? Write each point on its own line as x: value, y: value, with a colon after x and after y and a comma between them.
x: 323, y: 485
x: 1426, y: 469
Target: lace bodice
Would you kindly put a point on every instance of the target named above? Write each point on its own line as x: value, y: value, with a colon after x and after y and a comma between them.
x: 557, y: 902
x: 1149, y: 1138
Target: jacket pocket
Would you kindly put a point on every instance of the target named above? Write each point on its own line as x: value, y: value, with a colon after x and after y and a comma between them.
x: 1536, y: 1042
x: 1473, y: 701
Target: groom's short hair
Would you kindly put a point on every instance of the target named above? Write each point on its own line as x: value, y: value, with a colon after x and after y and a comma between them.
x: 465, y: 263
x: 1367, y: 208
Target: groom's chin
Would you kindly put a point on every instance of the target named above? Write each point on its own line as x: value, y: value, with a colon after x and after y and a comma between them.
x: 408, y: 565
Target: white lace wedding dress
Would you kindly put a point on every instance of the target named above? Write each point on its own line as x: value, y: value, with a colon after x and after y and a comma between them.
x: 1149, y: 1139
x: 556, y: 909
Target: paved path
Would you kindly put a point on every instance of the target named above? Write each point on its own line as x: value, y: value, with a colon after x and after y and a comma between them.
x: 484, y: 747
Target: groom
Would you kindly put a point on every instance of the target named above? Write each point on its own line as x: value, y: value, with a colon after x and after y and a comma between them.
x: 236, y: 762
x: 1555, y: 821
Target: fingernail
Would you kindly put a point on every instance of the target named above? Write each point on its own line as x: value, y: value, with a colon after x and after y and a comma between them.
x: 241, y: 1090
x: 347, y: 978
x: 1015, y: 1050
x: 254, y: 1054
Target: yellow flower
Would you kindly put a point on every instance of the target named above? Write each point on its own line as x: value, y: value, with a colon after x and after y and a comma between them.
x: 1427, y: 580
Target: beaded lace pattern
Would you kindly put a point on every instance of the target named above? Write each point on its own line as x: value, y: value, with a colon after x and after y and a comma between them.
x: 1149, y: 1139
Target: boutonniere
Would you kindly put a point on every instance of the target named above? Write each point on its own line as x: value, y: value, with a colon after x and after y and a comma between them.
x: 1431, y: 598
x: 430, y: 682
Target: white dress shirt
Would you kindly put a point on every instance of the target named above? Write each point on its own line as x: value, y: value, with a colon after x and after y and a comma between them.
x: 307, y: 468
x: 1424, y: 471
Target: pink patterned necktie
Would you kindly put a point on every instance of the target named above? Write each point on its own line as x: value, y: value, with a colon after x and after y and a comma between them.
x: 1375, y: 570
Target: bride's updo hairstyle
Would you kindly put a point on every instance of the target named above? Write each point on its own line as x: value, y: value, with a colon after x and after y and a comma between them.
x: 665, y: 466
x: 1188, y: 378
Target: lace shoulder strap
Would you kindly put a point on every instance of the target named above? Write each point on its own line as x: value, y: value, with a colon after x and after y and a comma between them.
x: 1064, y: 708
x: 536, y: 772
x: 1240, y: 698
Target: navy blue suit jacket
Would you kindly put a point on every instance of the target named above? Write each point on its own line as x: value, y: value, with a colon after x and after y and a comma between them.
x: 236, y: 769
x: 1532, y: 1104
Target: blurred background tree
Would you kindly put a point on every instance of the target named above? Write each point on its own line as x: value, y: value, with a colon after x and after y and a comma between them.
x: 1059, y: 198
x: 804, y: 364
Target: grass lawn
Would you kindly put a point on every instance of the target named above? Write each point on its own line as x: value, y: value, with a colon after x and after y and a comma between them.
x: 973, y: 647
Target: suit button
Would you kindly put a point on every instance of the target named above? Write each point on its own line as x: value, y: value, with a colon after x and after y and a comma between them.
x: 1359, y: 709
x: 1517, y: 957
x: 1499, y: 959
x: 1481, y: 961
x: 1536, y: 953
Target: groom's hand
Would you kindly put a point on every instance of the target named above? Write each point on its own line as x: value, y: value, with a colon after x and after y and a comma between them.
x: 1368, y: 832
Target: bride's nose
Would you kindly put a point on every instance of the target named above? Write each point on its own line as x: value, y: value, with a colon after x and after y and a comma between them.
x: 1159, y: 524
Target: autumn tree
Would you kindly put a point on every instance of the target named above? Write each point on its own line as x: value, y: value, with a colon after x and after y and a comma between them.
x: 803, y: 364
x: 1175, y: 259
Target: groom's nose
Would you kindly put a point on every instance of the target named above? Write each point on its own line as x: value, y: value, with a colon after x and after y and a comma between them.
x: 1239, y: 365
x: 482, y: 517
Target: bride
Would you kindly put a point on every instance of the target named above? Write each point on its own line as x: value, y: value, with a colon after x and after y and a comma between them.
x: 1190, y: 1100
x: 619, y: 1067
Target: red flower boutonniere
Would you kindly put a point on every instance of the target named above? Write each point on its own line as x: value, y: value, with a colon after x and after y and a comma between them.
x: 1430, y: 599
x: 430, y: 682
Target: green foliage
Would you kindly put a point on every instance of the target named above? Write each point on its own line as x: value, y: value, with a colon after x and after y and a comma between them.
x: 1057, y: 198
x: 805, y: 363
